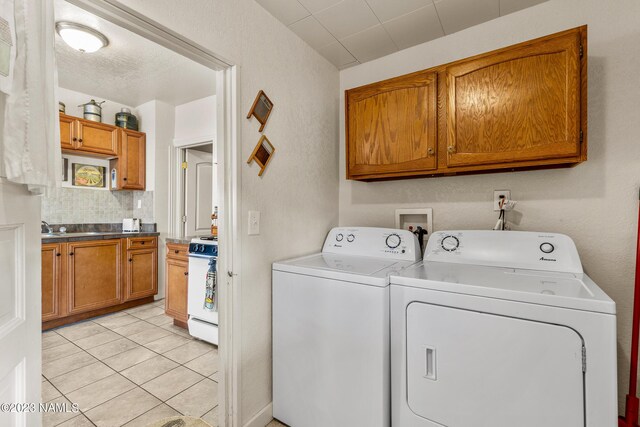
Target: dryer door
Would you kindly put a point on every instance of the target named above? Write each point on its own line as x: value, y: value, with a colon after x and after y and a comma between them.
x: 467, y: 368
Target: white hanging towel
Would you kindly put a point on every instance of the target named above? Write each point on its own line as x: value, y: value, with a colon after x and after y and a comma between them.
x: 30, y: 145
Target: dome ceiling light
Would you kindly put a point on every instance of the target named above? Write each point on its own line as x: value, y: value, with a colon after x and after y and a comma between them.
x: 81, y: 37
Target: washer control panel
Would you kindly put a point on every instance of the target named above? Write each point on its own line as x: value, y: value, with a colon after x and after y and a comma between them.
x: 513, y: 249
x: 374, y: 242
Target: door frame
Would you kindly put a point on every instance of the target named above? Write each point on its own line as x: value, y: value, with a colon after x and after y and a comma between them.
x: 228, y: 156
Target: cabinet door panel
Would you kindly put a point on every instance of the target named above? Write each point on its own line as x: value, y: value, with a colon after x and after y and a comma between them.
x: 142, y: 271
x: 391, y: 126
x: 177, y: 278
x: 94, y: 275
x: 132, y: 160
x: 51, y: 281
x: 67, y: 128
x: 98, y: 138
x: 519, y: 104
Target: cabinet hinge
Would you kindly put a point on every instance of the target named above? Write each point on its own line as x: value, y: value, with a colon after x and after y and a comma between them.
x: 581, y: 51
x: 184, y: 218
x: 584, y: 359
x: 184, y: 165
x: 581, y: 136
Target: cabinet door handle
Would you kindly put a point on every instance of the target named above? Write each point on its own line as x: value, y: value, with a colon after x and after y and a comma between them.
x: 430, y: 151
x: 75, y: 139
x: 80, y: 140
x: 70, y: 253
x: 451, y: 149
x: 58, y: 254
x: 176, y: 251
x: 124, y: 179
x: 186, y: 273
x: 130, y: 259
x: 142, y: 243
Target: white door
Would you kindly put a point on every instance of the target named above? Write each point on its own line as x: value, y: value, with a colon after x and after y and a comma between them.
x: 20, y: 338
x: 199, y: 185
x: 468, y: 368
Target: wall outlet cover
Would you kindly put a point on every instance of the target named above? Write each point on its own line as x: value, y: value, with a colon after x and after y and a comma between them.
x: 254, y: 223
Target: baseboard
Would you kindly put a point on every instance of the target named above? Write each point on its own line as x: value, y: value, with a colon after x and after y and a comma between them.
x: 262, y: 418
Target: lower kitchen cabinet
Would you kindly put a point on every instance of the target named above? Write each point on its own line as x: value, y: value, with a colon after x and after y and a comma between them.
x: 51, y: 280
x: 89, y: 278
x: 177, y: 277
x: 141, y: 273
x: 94, y: 274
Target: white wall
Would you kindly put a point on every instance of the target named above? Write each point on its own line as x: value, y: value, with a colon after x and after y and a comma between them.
x: 196, y: 119
x: 595, y: 203
x: 297, y: 194
x: 158, y: 124
x: 72, y: 99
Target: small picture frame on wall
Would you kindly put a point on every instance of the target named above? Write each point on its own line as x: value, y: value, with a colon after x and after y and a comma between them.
x: 261, y: 109
x: 262, y: 154
x: 88, y: 175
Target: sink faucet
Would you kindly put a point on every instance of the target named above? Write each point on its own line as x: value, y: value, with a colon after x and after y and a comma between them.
x: 46, y: 225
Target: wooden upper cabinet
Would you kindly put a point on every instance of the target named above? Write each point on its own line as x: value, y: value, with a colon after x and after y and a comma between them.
x: 132, y: 161
x: 391, y: 127
x: 67, y: 131
x: 93, y: 274
x: 516, y: 104
x: 97, y: 138
x: 521, y: 107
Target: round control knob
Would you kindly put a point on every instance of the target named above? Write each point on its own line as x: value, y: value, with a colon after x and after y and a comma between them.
x: 393, y: 241
x: 450, y: 243
x: 339, y: 237
x: 201, y: 248
x: 547, y: 247
x: 351, y: 238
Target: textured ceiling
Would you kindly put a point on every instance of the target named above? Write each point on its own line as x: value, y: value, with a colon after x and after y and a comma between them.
x: 131, y: 70
x: 349, y: 32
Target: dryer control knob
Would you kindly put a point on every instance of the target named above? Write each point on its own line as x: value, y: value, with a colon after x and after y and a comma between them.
x: 339, y: 237
x: 393, y: 241
x: 450, y: 243
x: 547, y: 247
x: 351, y: 238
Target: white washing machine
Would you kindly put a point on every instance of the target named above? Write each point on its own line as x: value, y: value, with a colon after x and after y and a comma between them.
x: 501, y: 329
x: 331, y: 352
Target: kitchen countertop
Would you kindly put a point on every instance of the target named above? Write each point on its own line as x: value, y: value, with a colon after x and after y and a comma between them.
x: 91, y: 235
x: 179, y: 240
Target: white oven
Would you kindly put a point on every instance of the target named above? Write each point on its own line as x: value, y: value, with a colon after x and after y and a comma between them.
x: 203, y: 291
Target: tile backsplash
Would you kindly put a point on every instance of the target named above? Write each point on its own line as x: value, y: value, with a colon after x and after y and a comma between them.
x: 83, y: 206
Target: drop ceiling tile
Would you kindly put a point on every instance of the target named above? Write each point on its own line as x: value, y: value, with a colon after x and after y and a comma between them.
x: 286, y: 11
x: 347, y: 17
x: 337, y: 54
x: 386, y: 10
x: 310, y: 30
x: 456, y: 15
x: 510, y: 6
x: 369, y: 44
x: 314, y: 6
x: 414, y: 28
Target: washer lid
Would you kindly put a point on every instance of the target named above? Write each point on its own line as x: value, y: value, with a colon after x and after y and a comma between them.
x: 349, y: 268
x: 558, y: 289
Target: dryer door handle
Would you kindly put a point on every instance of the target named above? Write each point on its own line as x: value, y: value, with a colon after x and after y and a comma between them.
x: 430, y: 362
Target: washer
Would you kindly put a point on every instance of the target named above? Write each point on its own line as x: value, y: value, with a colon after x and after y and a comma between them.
x: 331, y: 362
x: 497, y: 329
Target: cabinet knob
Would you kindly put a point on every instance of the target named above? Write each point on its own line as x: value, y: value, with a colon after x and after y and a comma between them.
x: 70, y: 253
x: 130, y: 259
x: 451, y: 149
x: 176, y: 251
x: 186, y: 273
x: 58, y: 254
x: 430, y: 151
x: 75, y: 139
x: 142, y: 243
x: 124, y: 179
x: 80, y: 140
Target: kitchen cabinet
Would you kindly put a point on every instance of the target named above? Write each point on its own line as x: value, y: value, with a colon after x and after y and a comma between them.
x: 94, y: 274
x: 141, y: 268
x: 517, y: 108
x: 177, y: 277
x: 85, y: 137
x: 391, y: 126
x: 130, y: 164
x: 52, y: 280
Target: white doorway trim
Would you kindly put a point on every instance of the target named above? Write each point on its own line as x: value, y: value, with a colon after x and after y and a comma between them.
x: 228, y: 135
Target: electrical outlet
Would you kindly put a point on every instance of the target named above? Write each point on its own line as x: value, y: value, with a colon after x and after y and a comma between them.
x: 254, y: 223
x: 497, y: 196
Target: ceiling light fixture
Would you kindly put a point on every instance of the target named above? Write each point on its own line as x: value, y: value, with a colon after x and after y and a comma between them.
x: 80, y: 37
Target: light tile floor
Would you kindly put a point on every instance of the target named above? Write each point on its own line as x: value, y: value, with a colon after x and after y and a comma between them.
x: 129, y: 368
